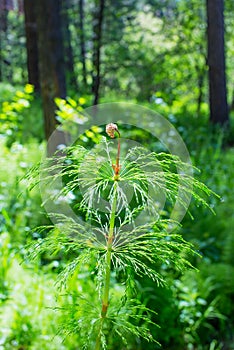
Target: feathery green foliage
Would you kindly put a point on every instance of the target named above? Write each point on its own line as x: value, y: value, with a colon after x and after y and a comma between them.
x: 121, y: 230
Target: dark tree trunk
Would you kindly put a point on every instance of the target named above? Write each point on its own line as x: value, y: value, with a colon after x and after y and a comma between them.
x: 201, y: 72
x: 68, y: 51
x: 216, y: 62
x: 4, y: 8
x: 31, y: 43
x: 97, y: 44
x: 51, y: 61
x: 82, y: 42
x: 3, y: 37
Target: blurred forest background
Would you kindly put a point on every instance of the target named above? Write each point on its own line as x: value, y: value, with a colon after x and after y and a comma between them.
x: 58, y: 57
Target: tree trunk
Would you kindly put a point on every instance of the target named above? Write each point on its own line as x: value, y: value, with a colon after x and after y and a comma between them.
x: 68, y: 51
x: 201, y: 71
x: 31, y: 43
x: 97, y: 43
x: 3, y: 37
x: 3, y: 16
x: 216, y: 62
x: 82, y: 42
x: 51, y: 61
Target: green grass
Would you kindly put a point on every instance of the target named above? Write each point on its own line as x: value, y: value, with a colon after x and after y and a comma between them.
x: 27, y: 319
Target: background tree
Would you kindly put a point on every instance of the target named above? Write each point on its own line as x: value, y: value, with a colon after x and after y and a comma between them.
x: 82, y: 42
x: 66, y: 8
x: 4, y: 9
x: 51, y: 59
x: 31, y: 43
x: 216, y: 62
x: 145, y: 50
x: 98, y: 15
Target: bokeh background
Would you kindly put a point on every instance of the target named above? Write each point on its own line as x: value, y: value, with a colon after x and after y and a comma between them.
x: 58, y: 57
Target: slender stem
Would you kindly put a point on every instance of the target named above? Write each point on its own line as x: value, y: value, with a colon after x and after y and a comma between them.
x: 106, y: 288
x: 108, y: 255
x: 118, y: 154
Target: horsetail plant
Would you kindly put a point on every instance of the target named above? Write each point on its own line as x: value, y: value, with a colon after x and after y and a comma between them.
x: 120, y: 232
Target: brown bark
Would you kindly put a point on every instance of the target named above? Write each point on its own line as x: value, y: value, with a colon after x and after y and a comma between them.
x: 97, y: 44
x: 216, y: 62
x: 51, y: 59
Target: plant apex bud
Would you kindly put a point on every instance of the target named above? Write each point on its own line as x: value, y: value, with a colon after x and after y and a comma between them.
x: 110, y: 129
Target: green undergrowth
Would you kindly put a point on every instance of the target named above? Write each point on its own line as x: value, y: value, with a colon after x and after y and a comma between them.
x: 194, y: 309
